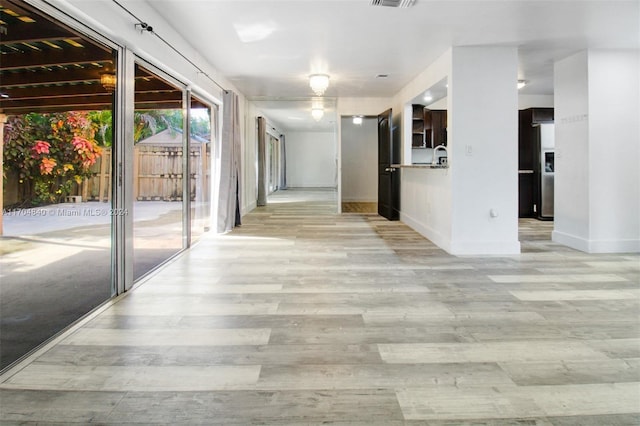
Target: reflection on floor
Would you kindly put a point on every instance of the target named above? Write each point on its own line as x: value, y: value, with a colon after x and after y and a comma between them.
x: 302, y: 317
x: 56, y: 265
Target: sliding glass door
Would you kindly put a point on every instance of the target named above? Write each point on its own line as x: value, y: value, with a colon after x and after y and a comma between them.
x: 158, y: 170
x: 200, y: 166
x: 101, y: 184
x: 57, y: 97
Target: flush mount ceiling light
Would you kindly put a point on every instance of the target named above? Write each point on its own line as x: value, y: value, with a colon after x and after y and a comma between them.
x: 428, y: 98
x: 319, y: 83
x: 357, y: 120
x: 522, y: 83
x: 393, y: 3
x: 317, y: 113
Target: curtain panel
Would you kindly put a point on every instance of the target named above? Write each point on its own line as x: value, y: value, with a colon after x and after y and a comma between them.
x: 283, y: 163
x: 230, y: 159
x: 262, y: 162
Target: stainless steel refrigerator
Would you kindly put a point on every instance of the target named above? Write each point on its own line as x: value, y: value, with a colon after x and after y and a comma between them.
x: 544, y: 134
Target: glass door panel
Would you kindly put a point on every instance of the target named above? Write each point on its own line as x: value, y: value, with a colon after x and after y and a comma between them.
x: 57, y: 213
x: 200, y: 165
x: 158, y: 192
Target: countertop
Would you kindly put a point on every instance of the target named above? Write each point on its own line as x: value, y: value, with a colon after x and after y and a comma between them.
x: 420, y: 166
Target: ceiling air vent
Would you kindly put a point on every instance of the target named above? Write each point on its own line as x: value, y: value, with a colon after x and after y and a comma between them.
x: 393, y: 3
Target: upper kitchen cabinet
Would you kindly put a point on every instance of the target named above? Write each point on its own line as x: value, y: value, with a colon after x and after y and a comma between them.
x: 429, y: 127
x: 438, y: 127
x: 418, y: 126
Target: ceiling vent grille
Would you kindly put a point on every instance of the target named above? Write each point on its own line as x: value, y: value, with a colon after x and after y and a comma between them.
x: 393, y: 3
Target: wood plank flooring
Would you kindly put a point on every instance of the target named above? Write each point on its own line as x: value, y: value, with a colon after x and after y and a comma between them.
x: 304, y: 317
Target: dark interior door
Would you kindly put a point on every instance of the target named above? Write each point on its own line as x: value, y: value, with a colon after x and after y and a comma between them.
x: 388, y: 177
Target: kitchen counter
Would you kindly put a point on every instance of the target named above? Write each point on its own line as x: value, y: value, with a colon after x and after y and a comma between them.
x: 420, y: 166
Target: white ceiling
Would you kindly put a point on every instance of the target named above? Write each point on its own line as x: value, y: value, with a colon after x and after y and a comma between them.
x: 268, y: 48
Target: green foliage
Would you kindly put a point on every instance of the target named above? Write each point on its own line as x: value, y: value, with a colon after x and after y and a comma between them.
x: 148, y: 123
x: 200, y: 126
x: 103, y: 123
x: 49, y: 153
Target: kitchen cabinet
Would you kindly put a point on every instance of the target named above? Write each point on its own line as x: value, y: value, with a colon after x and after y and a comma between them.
x: 418, y: 126
x: 438, y: 127
x: 429, y: 127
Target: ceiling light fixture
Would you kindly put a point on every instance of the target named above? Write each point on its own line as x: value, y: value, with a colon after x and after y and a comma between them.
x: 392, y: 3
x: 317, y: 113
x: 521, y: 84
x: 357, y: 120
x: 108, y: 81
x: 428, y: 98
x: 319, y: 83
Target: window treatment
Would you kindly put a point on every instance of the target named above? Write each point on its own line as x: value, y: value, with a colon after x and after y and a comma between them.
x: 262, y: 165
x: 283, y: 163
x: 230, y: 152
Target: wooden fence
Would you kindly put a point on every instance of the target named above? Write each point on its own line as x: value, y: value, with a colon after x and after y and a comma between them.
x: 157, y: 174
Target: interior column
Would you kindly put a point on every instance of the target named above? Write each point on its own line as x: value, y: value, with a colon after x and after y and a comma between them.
x: 483, y: 150
x: 597, y: 181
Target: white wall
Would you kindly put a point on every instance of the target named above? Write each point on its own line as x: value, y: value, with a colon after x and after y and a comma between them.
x: 597, y: 189
x: 311, y: 159
x: 571, y: 180
x: 614, y: 150
x: 359, y: 153
x: 483, y: 150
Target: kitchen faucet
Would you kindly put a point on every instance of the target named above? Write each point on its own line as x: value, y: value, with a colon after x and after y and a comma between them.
x: 434, y: 161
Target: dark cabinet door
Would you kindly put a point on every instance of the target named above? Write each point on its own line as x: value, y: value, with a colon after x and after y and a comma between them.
x: 388, y: 177
x: 428, y: 128
x: 439, y: 127
x: 526, y: 193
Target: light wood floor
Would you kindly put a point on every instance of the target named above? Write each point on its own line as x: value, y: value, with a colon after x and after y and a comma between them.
x: 304, y: 317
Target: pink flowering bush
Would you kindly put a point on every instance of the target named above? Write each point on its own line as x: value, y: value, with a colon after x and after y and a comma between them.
x: 49, y: 153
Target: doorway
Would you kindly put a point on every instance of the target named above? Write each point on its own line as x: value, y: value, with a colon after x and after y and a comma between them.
x: 359, y: 155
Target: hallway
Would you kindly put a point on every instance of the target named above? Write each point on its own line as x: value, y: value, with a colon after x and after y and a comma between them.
x: 301, y: 316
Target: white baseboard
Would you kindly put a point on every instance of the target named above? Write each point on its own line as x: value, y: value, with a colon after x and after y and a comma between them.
x: 596, y: 246
x: 427, y: 232
x: 462, y: 248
